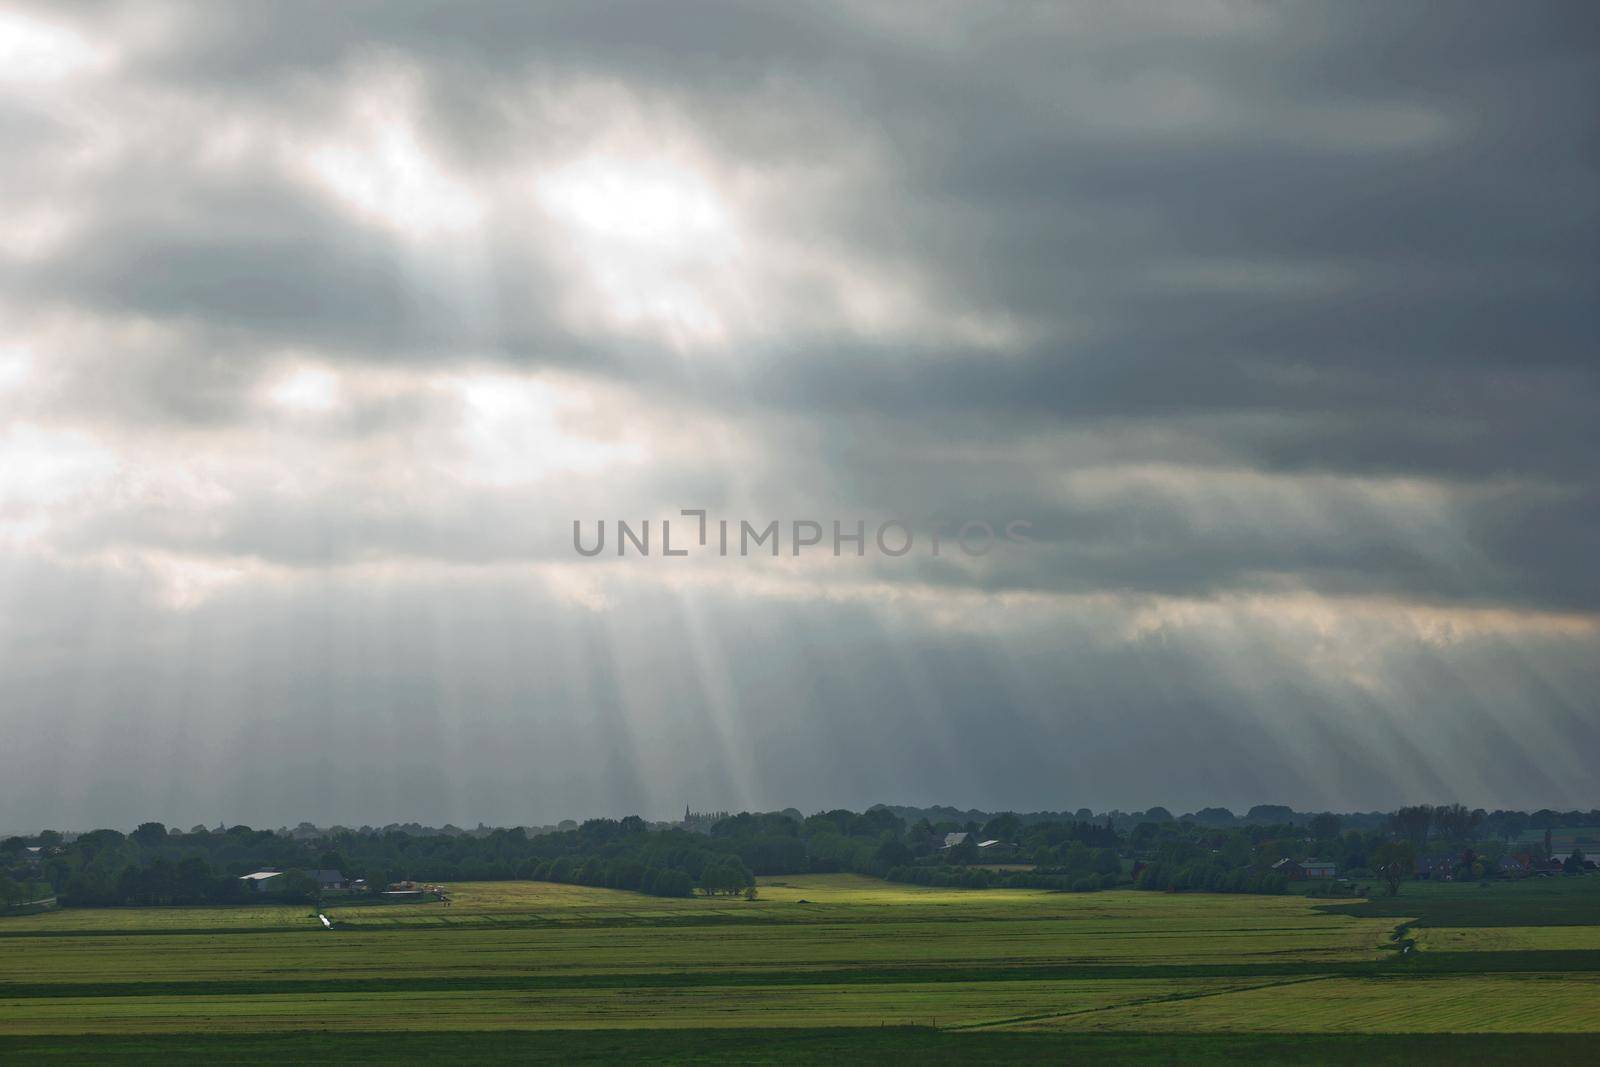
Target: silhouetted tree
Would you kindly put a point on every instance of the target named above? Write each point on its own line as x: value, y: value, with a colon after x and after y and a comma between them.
x: 1393, y: 861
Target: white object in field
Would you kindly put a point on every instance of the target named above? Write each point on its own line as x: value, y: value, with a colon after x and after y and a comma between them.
x: 325, y: 921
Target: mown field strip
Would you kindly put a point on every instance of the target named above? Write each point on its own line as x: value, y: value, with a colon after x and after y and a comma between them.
x: 861, y: 976
x: 940, y: 1005
x: 821, y: 1047
x: 1416, y: 965
x: 810, y: 899
x: 1467, y: 1004
x: 343, y: 953
x: 1531, y: 1004
x: 1508, y: 938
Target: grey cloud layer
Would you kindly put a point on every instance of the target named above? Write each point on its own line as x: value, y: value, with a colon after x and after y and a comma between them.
x: 1235, y: 302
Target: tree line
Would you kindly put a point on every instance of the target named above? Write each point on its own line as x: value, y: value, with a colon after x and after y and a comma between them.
x: 155, y: 865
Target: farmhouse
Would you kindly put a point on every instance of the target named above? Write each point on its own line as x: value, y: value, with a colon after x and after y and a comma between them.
x: 266, y: 881
x: 261, y: 881
x: 1290, y: 870
x: 1320, y: 869
x: 952, y: 840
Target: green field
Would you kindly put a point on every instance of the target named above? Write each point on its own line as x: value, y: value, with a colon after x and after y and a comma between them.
x: 813, y: 954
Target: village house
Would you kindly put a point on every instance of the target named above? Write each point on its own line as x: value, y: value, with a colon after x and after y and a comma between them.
x: 1516, y: 866
x: 1296, y: 871
x: 1435, y: 868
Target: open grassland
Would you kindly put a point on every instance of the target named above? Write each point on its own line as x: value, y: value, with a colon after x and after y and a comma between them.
x: 530, y: 930
x: 814, y: 954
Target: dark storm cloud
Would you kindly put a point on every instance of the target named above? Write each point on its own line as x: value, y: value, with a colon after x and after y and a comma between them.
x: 1383, y: 219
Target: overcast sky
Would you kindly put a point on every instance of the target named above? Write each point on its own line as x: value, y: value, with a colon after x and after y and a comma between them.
x: 321, y: 324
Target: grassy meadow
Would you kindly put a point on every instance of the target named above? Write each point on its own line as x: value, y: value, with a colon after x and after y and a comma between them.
x: 813, y: 955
